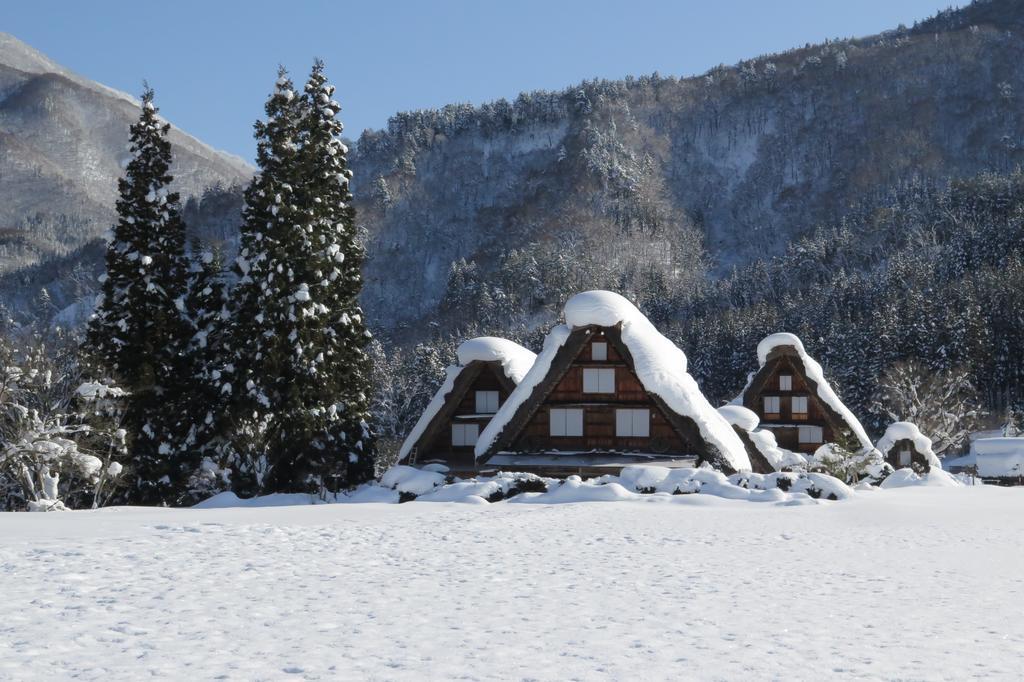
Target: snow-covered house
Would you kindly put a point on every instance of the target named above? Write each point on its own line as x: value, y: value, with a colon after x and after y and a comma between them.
x: 489, y: 369
x: 792, y: 398
x: 903, y: 445
x: 607, y: 390
x: 765, y: 454
x: 1000, y: 460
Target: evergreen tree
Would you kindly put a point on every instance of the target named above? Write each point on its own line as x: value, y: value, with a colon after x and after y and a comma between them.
x: 138, y: 331
x: 207, y: 305
x: 300, y: 376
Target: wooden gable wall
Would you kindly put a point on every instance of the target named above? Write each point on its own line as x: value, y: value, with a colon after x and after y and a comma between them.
x: 785, y: 424
x: 460, y: 407
x: 599, y: 409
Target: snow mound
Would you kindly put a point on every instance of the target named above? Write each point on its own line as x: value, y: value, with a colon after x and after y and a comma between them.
x: 906, y: 478
x: 737, y: 415
x: 898, y: 431
x: 999, y: 457
x: 659, y: 364
x: 515, y: 360
x: 635, y: 484
x: 574, y: 489
x: 406, y: 479
x: 816, y: 374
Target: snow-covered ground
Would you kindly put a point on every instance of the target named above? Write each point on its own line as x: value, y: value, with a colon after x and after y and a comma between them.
x: 910, y: 583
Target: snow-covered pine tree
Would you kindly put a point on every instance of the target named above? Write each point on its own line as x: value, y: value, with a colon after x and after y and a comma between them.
x: 206, y: 304
x: 255, y: 303
x: 330, y: 355
x: 299, y: 371
x: 138, y: 332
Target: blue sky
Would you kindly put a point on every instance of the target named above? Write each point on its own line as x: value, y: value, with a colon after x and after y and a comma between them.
x: 212, y: 63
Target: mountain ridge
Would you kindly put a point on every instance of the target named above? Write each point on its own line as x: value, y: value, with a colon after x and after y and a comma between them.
x: 706, y: 172
x: 63, y: 140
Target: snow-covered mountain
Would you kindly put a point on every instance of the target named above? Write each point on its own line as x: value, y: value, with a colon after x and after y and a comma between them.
x: 747, y: 158
x: 62, y: 142
x: 754, y: 155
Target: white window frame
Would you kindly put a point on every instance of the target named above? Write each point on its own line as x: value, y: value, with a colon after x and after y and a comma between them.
x: 565, y: 422
x: 802, y: 400
x: 487, y: 402
x: 465, y: 435
x: 772, y: 400
x: 599, y: 380
x: 785, y: 382
x: 633, y: 423
x: 599, y: 351
x: 804, y: 438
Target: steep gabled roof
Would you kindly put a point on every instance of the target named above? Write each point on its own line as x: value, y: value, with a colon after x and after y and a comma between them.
x: 658, y: 363
x: 473, y: 354
x: 898, y: 431
x: 761, y: 446
x: 788, y: 344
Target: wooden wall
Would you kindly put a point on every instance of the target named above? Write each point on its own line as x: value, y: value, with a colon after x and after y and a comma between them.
x: 787, y: 435
x: 599, y: 411
x: 439, y: 446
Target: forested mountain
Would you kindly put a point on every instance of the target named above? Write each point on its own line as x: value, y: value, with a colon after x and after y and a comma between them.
x: 63, y: 142
x: 748, y: 157
x: 862, y: 193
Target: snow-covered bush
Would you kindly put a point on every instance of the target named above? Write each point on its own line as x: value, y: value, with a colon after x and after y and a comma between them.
x: 57, y: 446
x: 849, y: 465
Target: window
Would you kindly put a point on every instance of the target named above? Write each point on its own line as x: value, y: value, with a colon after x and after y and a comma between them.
x: 810, y: 434
x: 598, y: 380
x: 566, y: 422
x: 599, y: 351
x: 799, y: 405
x: 785, y: 382
x: 464, y: 435
x: 633, y: 423
x: 771, y: 404
x: 905, y: 457
x: 486, y: 402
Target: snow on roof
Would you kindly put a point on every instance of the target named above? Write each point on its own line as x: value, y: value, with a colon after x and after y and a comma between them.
x: 607, y: 309
x: 815, y: 374
x: 515, y: 360
x: 898, y: 431
x: 737, y: 415
x: 1000, y: 456
x: 763, y: 440
x: 659, y: 364
x: 515, y: 363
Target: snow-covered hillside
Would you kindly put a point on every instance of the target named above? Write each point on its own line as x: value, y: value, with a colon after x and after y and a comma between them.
x: 919, y: 583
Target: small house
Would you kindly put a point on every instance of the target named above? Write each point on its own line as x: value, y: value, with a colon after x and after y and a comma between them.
x: 791, y: 398
x: 904, y: 446
x: 1000, y: 460
x: 488, y: 371
x: 606, y: 391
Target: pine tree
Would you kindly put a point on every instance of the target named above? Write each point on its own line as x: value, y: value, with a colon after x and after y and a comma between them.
x: 203, y: 412
x: 300, y: 379
x: 330, y: 358
x: 138, y: 332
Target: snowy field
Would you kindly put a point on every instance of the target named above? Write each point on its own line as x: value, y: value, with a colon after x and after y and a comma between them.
x: 918, y: 583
